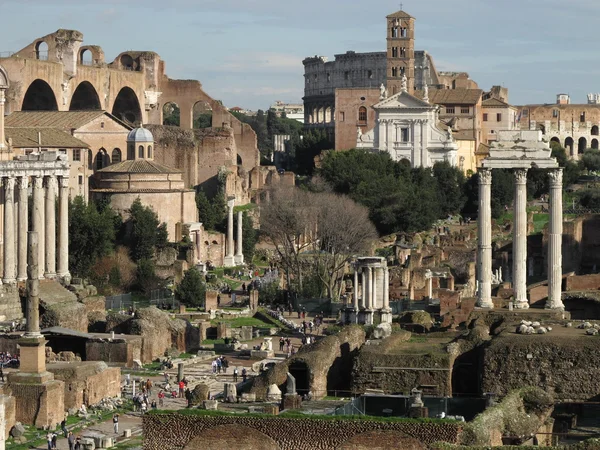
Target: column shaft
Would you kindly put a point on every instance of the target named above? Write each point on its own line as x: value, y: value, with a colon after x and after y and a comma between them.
x: 374, y: 289
x: 9, y: 231
x: 355, y: 295
x: 239, y: 254
x: 37, y: 219
x: 50, y: 228
x: 63, y: 229
x: 555, y: 242
x: 520, y: 240
x: 33, y: 283
x: 369, y: 302
x: 2, y: 137
x: 23, y: 227
x: 363, y: 287
x: 386, y: 288
x: 484, y: 230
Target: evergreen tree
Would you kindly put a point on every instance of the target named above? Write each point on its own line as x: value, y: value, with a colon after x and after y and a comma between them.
x: 192, y: 290
x: 146, y: 233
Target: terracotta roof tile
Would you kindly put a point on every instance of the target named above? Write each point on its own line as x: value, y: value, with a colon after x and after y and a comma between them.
x: 139, y: 166
x: 51, y: 138
x: 400, y: 14
x: 452, y: 96
x: 67, y: 120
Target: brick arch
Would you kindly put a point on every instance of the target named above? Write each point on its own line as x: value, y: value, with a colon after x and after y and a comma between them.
x: 228, y: 437
x: 382, y: 440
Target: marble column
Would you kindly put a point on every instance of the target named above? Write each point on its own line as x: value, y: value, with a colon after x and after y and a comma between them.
x: 229, y: 259
x: 37, y: 220
x: 355, y: 294
x: 363, y: 288
x: 33, y: 284
x: 374, y: 289
x: 239, y: 254
x: 520, y: 240
x: 386, y: 288
x: 3, y: 145
x: 484, y: 245
x: 50, y: 228
x: 555, y: 242
x: 63, y: 230
x: 369, y: 302
x: 9, y: 231
x: 23, y: 185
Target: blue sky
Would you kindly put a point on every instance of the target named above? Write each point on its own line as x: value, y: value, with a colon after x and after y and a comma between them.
x: 249, y: 52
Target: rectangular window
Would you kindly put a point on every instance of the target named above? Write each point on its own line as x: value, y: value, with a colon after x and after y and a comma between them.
x: 76, y: 154
x: 394, y: 71
x: 403, y: 32
x: 402, y: 52
x: 370, y: 74
x: 485, y: 116
x: 464, y: 110
x: 499, y: 117
x: 555, y: 113
x: 394, y: 52
x: 101, y: 124
x: 342, y: 116
x: 80, y: 179
x: 582, y: 117
x: 346, y: 75
x: 394, y: 32
x: 328, y: 77
x: 404, y: 135
x: 525, y: 112
x: 449, y: 109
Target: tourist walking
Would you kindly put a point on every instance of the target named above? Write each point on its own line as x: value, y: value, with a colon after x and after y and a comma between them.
x: 54, y: 439
x: 235, y: 375
x: 244, y: 375
x: 161, y: 397
x: 63, y: 427
x: 71, y: 440
x: 181, y: 388
x: 116, y: 423
x: 49, y: 439
x: 77, y: 443
x: 149, y: 386
x: 281, y: 343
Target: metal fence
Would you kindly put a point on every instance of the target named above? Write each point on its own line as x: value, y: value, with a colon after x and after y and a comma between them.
x: 163, y: 299
x: 120, y: 302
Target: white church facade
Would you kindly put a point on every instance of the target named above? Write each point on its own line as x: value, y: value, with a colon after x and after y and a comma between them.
x: 407, y: 128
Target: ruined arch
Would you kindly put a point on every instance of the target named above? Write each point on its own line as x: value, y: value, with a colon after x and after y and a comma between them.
x: 85, y: 97
x: 202, y: 114
x: 385, y: 440
x: 39, y: 97
x: 226, y: 437
x: 569, y: 146
x: 127, y: 106
x: 301, y: 372
x: 581, y: 145
x: 171, y: 114
x: 41, y: 51
x: 127, y: 62
x: 555, y: 139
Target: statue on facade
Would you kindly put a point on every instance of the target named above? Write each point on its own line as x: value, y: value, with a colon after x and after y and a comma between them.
x: 426, y: 93
x: 449, y: 133
x: 359, y: 134
x: 404, y: 85
x: 382, y: 92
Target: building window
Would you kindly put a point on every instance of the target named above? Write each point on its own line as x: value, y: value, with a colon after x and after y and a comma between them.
x: 141, y: 151
x: 449, y: 109
x: 316, y: 77
x: 99, y: 160
x: 370, y: 74
x: 342, y: 116
x: 101, y: 124
x: 362, y: 115
x: 402, y: 52
x: 346, y: 75
x: 582, y: 117
x: 464, y: 110
x: 116, y: 156
x: 555, y: 113
x: 149, y: 151
x: 62, y: 151
x: 498, y: 117
x: 307, y: 80
x: 403, y: 32
x: 525, y: 112
x: 394, y: 71
x: 328, y: 77
x: 394, y: 52
x: 404, y: 135
x: 76, y: 154
x: 394, y: 32
x: 485, y: 117
x: 402, y: 71
x: 80, y: 180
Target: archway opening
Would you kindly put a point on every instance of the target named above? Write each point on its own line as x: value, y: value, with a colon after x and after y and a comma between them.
x: 465, y: 374
x: 595, y: 130
x: 171, y: 114
x: 85, y: 97
x: 595, y: 144
x: 127, y: 62
x: 299, y: 370
x: 555, y: 139
x: 127, y: 107
x: 116, y: 156
x: 41, y: 51
x: 569, y: 146
x: 581, y: 145
x: 102, y: 160
x: 239, y: 160
x: 39, y: 97
x: 85, y: 57
x: 202, y: 113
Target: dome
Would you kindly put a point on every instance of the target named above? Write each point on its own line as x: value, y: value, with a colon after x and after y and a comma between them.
x: 140, y: 134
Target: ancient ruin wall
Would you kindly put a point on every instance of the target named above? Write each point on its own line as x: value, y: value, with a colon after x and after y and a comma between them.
x: 177, y: 431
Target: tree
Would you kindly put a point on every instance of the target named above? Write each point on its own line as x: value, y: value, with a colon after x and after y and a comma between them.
x: 192, y: 290
x: 92, y: 234
x: 591, y: 160
x: 450, y: 181
x: 212, y: 213
x: 146, y: 233
x: 171, y: 116
x: 249, y: 236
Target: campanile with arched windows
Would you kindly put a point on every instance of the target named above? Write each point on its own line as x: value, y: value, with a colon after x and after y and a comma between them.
x: 400, y: 51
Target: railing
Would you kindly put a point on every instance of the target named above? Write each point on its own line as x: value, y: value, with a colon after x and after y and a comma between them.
x: 581, y: 211
x: 120, y: 302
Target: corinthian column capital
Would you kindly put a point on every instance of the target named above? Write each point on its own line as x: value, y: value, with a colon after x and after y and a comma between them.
x: 521, y: 176
x: 556, y: 176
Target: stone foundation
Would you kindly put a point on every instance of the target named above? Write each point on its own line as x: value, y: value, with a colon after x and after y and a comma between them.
x: 38, y: 404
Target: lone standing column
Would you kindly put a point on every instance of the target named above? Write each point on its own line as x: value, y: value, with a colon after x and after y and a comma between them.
x: 520, y: 240
x: 555, y: 242
x: 229, y: 258
x: 23, y: 185
x: 33, y: 285
x: 37, y: 219
x: 239, y: 254
x: 484, y: 231
x: 9, y: 231
x: 63, y: 230
x: 355, y: 294
x: 50, y: 228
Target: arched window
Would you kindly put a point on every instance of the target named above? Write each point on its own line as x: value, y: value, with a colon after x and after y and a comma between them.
x: 141, y: 151
x: 362, y: 115
x: 99, y: 160
x: 131, y: 151
x: 149, y: 151
x: 595, y: 130
x: 116, y: 156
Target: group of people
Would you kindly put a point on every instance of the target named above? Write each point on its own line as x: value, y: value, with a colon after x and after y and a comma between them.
x: 220, y: 364
x: 74, y: 442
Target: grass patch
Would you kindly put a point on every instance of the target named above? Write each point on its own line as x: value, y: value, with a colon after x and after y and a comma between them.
x: 135, y: 442
x: 242, y: 322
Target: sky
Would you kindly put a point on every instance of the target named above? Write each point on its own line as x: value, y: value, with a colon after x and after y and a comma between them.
x: 249, y: 53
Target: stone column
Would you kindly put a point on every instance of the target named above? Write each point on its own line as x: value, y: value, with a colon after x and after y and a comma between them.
x: 37, y: 219
x: 9, y: 231
x: 229, y: 259
x: 239, y: 254
x: 369, y: 303
x: 555, y: 242
x: 23, y: 185
x: 63, y: 230
x: 50, y: 228
x: 386, y: 288
x: 2, y: 137
x: 363, y: 287
x: 520, y: 240
x: 355, y: 293
x: 374, y: 290
x: 484, y: 231
x: 33, y: 285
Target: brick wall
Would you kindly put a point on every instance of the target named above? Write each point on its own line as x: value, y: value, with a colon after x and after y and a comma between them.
x: 175, y: 432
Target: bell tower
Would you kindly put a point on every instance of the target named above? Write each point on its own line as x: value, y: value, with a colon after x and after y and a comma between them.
x: 400, y: 51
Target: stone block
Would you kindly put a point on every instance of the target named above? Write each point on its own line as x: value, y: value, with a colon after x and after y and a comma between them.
x: 230, y: 392
x: 17, y: 430
x: 211, y: 300
x: 127, y: 433
x: 210, y: 404
x: 271, y: 409
x: 261, y: 354
x: 248, y: 397
x: 87, y: 444
x: 246, y: 334
x: 292, y: 401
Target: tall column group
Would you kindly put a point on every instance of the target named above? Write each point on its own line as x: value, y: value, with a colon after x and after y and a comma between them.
x: 239, y: 254
x: 43, y: 223
x: 371, y: 279
x: 484, y: 255
x: 229, y: 259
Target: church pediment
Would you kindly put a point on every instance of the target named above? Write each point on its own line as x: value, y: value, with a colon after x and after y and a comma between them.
x: 403, y: 100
